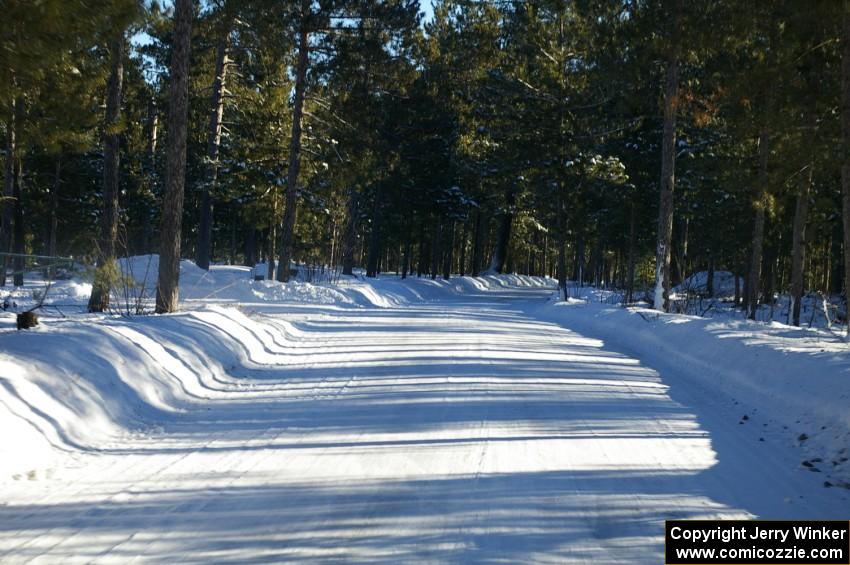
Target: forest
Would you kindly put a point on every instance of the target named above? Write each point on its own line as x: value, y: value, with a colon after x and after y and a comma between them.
x: 423, y: 281
x: 618, y: 143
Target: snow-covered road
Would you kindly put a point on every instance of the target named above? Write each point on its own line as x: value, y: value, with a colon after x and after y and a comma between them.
x: 459, y: 431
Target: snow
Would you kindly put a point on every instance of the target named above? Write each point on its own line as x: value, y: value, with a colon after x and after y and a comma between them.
x: 724, y: 284
x: 474, y: 419
x: 817, y: 310
x: 783, y: 377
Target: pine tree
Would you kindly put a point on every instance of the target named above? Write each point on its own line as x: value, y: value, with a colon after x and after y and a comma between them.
x: 306, y: 19
x: 845, y: 153
x: 106, y: 268
x: 661, y: 299
x: 175, y: 168
x: 216, y: 114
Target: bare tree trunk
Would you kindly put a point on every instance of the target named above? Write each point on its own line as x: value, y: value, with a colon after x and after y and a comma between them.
x: 503, y: 237
x: 798, y: 247
x: 449, y: 246
x: 436, y: 248
x: 546, y: 262
x: 661, y: 299
x: 476, y: 245
x: 175, y: 169
x: 272, y: 242
x: 559, y: 200
x: 596, y: 261
x: 709, y: 283
x: 836, y: 278
x: 251, y: 248
x: 373, y: 252
x: 754, y: 278
x: 270, y: 252
x: 18, y: 234
x: 771, y: 258
x: 204, y: 251
x: 464, y: 237
x: 423, y: 253
x: 405, y: 266
x: 845, y: 143
x: 289, y: 214
x: 374, y: 248
x: 349, y: 237
x: 630, y: 282
x: 681, y: 254
x: 578, y: 260
x: 54, y: 213
x: 103, y: 278
x: 8, y: 190
x: 736, y: 272
x: 562, y: 242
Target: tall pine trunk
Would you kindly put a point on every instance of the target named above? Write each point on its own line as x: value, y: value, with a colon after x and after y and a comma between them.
x: 709, y: 282
x: 349, y: 236
x: 436, y: 248
x: 661, y: 299
x: 737, y: 285
x: 681, y: 254
x: 54, y: 213
x: 845, y: 157
x: 562, y: 242
x: 272, y: 240
x: 798, y: 247
x: 578, y: 260
x: 8, y: 190
x: 106, y: 268
x: 374, y: 250
x: 503, y: 236
x: 476, y: 244
x: 559, y: 200
x: 175, y: 167
x: 449, y: 251
x: 423, y: 251
x: 630, y: 268
x: 464, y: 236
x: 18, y: 232
x: 754, y: 277
x: 213, y: 143
x: 290, y: 211
x: 771, y: 256
x: 405, y: 265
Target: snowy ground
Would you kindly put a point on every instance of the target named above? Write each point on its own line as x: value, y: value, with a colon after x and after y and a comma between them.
x: 816, y: 310
x: 473, y: 420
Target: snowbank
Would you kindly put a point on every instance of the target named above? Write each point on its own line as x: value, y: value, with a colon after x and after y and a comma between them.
x: 79, y: 384
x: 787, y: 380
x: 82, y: 386
x: 83, y: 383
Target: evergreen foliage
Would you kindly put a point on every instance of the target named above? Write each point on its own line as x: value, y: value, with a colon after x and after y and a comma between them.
x: 503, y: 135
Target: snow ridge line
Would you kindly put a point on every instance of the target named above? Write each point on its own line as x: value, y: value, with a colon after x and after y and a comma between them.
x: 84, y: 387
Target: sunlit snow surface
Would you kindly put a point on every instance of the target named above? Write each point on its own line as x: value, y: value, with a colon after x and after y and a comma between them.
x: 419, y: 421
